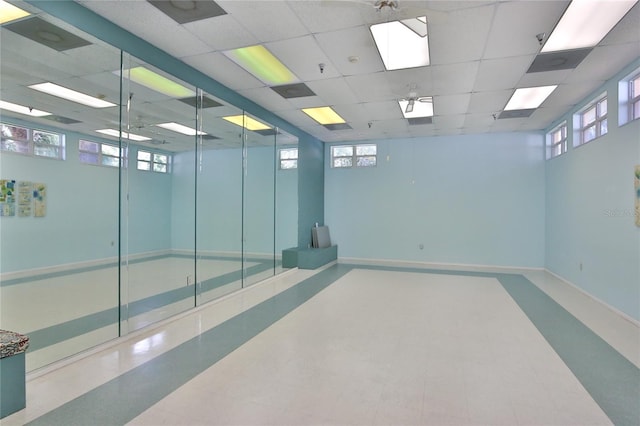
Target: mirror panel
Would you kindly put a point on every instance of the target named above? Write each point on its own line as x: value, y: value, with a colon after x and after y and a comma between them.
x: 286, y: 227
x: 218, y: 200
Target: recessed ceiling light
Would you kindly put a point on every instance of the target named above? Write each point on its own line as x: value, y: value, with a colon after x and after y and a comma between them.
x: 529, y: 97
x: 22, y: 109
x: 324, y: 115
x: 585, y: 23
x: 417, y: 107
x: 130, y: 136
x: 71, y: 95
x: 179, y: 128
x: 246, y: 122
x: 9, y: 12
x: 262, y: 64
x: 157, y: 82
x: 402, y: 44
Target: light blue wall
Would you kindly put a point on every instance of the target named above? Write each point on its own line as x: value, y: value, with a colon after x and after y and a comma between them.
x: 476, y: 199
x: 590, y: 212
x: 220, y: 201
x: 81, y: 222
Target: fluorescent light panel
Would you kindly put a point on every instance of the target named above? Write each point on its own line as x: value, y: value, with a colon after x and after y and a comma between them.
x: 585, y: 23
x: 422, y: 107
x: 246, y: 122
x: 262, y: 64
x: 157, y: 82
x: 130, y: 136
x: 179, y: 128
x: 324, y: 115
x: 402, y: 44
x: 22, y: 109
x: 71, y: 95
x: 529, y: 97
x: 9, y: 12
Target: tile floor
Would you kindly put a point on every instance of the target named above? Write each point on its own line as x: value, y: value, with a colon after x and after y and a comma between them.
x: 375, y: 347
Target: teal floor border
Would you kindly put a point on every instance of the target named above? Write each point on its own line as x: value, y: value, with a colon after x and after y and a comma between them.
x: 611, y: 380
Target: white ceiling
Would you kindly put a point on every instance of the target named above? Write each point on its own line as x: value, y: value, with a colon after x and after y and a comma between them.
x: 480, y: 52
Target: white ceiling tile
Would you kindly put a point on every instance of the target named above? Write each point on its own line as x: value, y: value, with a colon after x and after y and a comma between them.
x: 333, y: 91
x: 327, y: 15
x: 383, y: 110
x: 417, y: 80
x: 489, y: 102
x: 370, y: 87
x: 281, y: 22
x: 494, y: 74
x: 627, y: 29
x: 461, y: 37
x: 516, y: 24
x: 302, y: 55
x: 603, y: 62
x: 546, y: 78
x: 342, y: 44
x: 451, y: 104
x: 266, y: 97
x: 455, y: 121
x: 454, y: 78
x: 224, y: 33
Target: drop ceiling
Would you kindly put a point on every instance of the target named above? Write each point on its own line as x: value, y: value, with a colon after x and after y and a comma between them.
x: 480, y: 52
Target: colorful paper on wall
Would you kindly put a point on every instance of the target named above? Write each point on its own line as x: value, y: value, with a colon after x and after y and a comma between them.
x: 24, y: 198
x: 7, y: 197
x: 39, y: 199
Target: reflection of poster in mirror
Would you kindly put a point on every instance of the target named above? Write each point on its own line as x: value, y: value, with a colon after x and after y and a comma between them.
x: 24, y: 192
x: 637, y: 187
x: 39, y: 199
x: 7, y: 197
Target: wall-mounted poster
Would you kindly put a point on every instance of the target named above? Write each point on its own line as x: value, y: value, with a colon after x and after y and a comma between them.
x: 7, y: 197
x: 637, y: 187
x: 24, y: 196
x: 39, y: 199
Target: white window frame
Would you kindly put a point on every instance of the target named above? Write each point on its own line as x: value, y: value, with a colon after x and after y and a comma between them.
x: 634, y: 98
x: 102, y: 154
x: 599, y: 124
x: 557, y: 141
x: 288, y: 158
x: 358, y: 158
x: 31, y: 146
x: 154, y: 162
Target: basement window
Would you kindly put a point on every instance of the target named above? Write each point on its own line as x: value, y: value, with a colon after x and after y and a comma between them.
x: 37, y: 143
x: 101, y: 154
x: 288, y: 158
x: 153, y: 161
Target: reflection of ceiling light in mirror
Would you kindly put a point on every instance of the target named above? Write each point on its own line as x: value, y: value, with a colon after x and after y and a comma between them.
x: 529, y: 97
x: 130, y: 136
x: 9, y: 12
x: 585, y: 23
x: 417, y: 107
x: 246, y: 122
x: 71, y: 95
x: 179, y: 128
x: 402, y: 44
x: 155, y: 81
x: 22, y: 109
x: 262, y: 64
x: 324, y: 115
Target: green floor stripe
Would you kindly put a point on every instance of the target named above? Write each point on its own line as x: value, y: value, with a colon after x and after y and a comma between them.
x: 611, y: 380
x: 127, y: 396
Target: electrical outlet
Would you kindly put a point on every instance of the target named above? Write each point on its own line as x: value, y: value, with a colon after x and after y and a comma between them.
x: 421, y: 246
x: 189, y: 279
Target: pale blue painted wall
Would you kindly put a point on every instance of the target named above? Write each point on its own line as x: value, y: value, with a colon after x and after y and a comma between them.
x: 82, y: 209
x: 220, y: 201
x: 476, y: 199
x: 590, y: 211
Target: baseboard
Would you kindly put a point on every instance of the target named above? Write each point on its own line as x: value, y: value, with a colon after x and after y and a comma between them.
x: 595, y: 299
x: 437, y: 265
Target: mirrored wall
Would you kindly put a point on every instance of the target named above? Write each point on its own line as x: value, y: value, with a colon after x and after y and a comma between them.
x: 117, y: 214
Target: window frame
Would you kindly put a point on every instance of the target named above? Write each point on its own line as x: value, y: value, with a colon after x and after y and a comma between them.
x: 289, y: 160
x: 599, y: 122
x: 154, y: 164
x: 31, y: 145
x: 100, y: 154
x: 634, y: 98
x: 355, y: 159
x: 563, y: 142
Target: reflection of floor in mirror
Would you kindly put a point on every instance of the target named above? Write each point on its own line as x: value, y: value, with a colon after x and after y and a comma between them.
x: 369, y: 345
x: 69, y: 311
